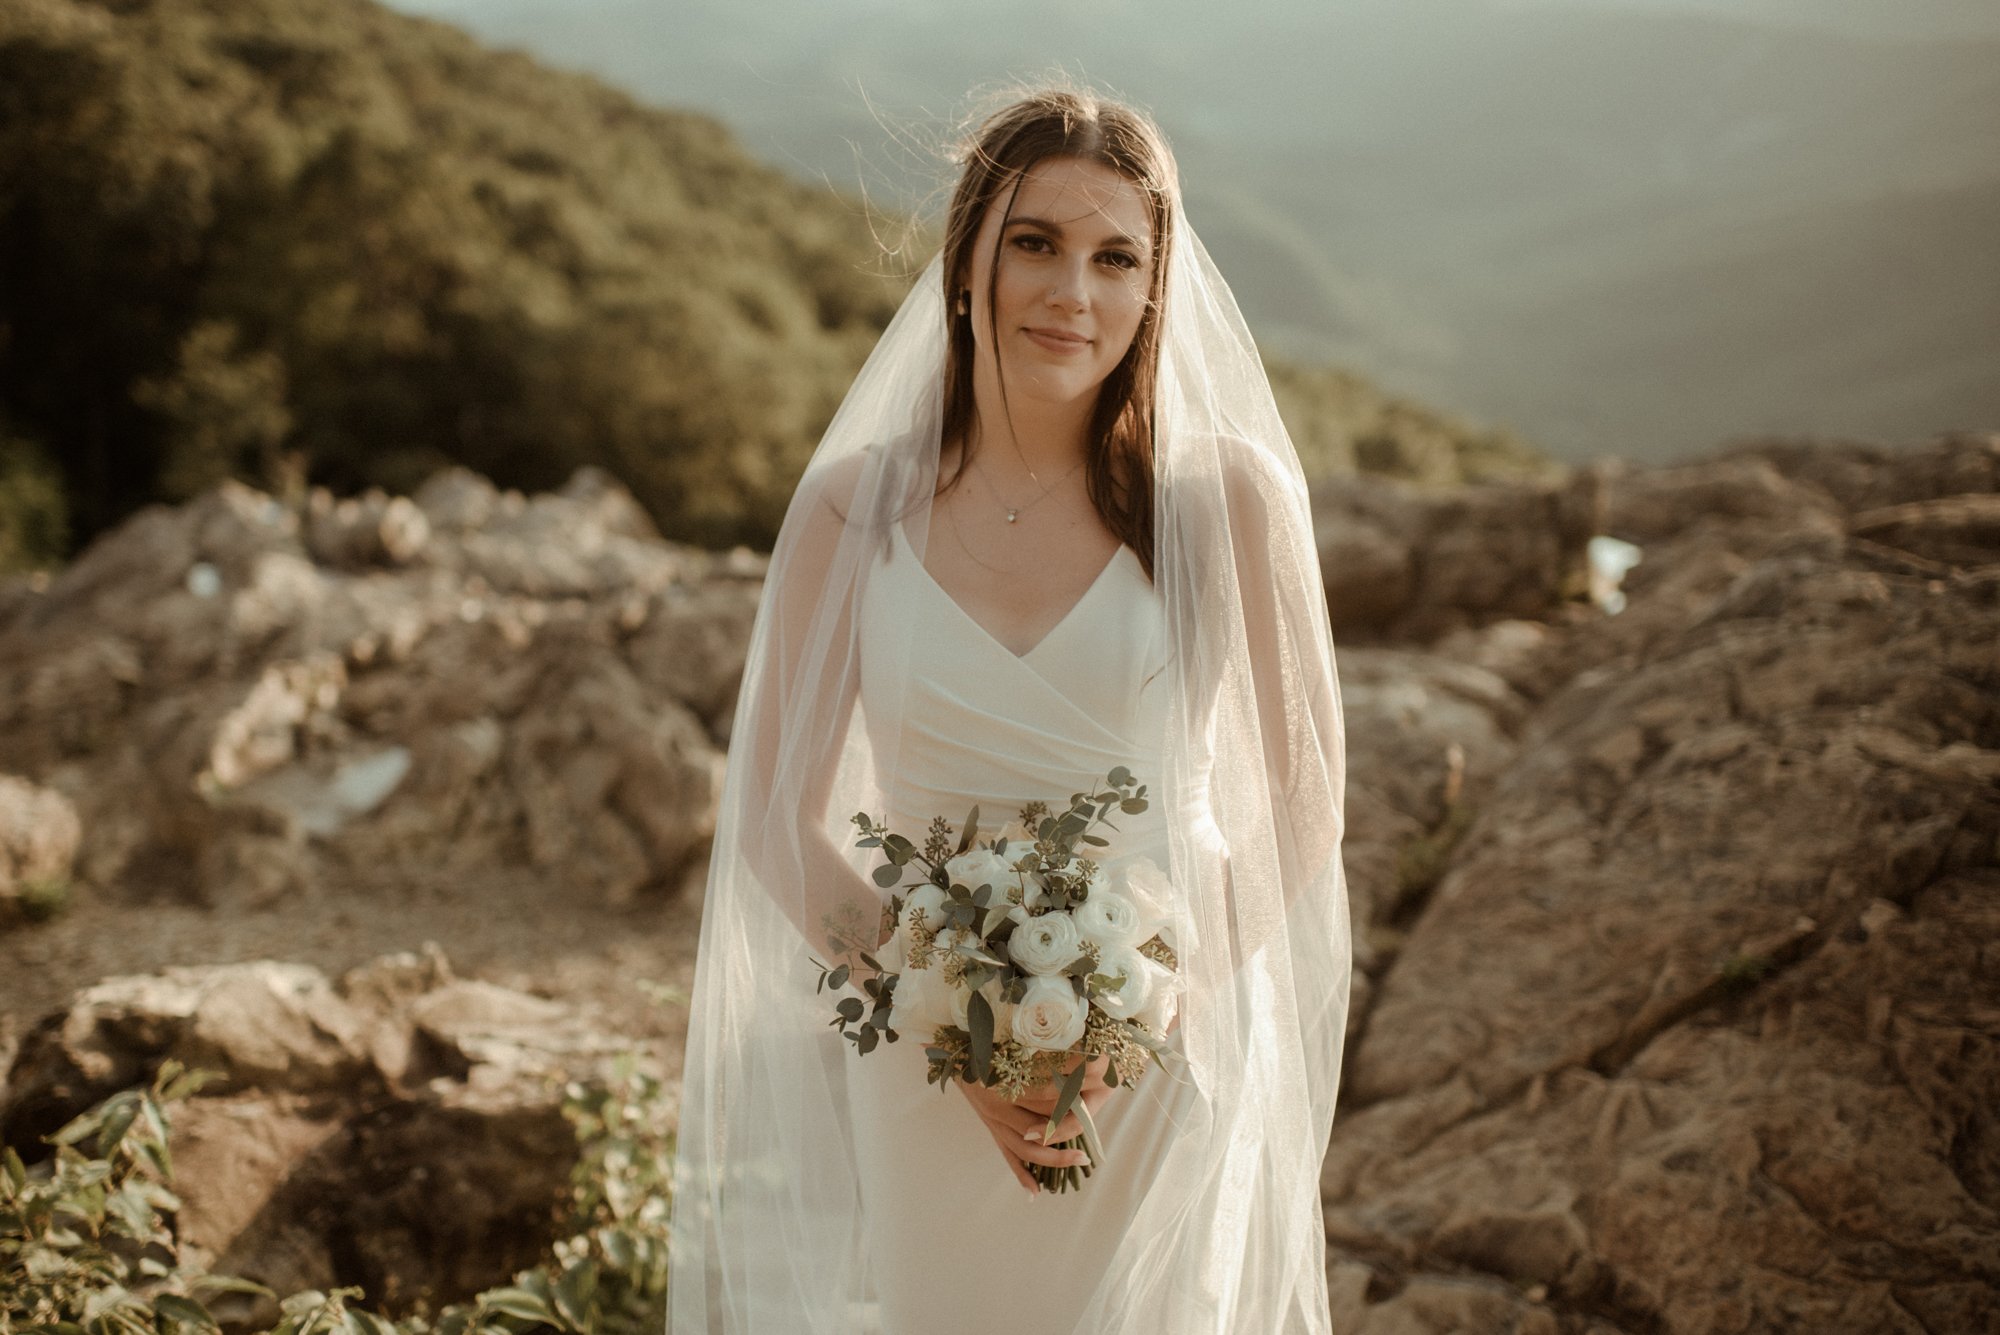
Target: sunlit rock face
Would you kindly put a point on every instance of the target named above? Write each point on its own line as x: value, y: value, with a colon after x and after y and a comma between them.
x: 1693, y: 1028
x: 245, y: 704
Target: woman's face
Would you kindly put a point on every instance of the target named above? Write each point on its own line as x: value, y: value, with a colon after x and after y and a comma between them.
x: 1075, y: 264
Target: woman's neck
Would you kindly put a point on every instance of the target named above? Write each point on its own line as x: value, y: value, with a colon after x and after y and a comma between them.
x: 1045, y: 438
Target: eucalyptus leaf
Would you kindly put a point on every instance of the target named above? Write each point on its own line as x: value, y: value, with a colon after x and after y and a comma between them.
x: 971, y: 830
x: 1066, y: 1096
x: 979, y: 1016
x: 887, y: 875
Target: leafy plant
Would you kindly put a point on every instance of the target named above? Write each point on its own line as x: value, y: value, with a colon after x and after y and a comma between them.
x: 44, y: 898
x: 87, y: 1245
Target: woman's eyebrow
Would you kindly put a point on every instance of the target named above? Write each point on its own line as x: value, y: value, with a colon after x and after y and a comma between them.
x: 1055, y: 229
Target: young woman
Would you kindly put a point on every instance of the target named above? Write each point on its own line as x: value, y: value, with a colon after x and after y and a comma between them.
x: 1056, y: 528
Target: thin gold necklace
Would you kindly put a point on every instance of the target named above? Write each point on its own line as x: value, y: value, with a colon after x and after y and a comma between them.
x: 1014, y: 512
x: 951, y: 513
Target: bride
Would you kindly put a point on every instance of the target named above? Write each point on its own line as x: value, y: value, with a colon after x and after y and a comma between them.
x: 1055, y: 528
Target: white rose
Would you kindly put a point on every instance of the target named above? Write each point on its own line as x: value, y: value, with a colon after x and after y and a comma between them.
x: 1051, y: 1016
x: 1141, y: 976
x: 1164, y: 1005
x: 1109, y: 918
x: 922, y: 1002
x: 1046, y: 945
x: 1141, y: 882
x: 925, y: 904
x: 1003, y: 1011
x: 981, y: 866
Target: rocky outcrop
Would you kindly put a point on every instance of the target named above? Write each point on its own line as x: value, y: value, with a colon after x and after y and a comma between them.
x: 244, y: 703
x: 1404, y: 563
x: 399, y: 1128
x: 1678, y: 928
x: 38, y: 839
x: 1696, y: 1030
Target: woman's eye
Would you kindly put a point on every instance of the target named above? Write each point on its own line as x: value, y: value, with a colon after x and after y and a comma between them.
x: 1120, y: 259
x: 1030, y: 242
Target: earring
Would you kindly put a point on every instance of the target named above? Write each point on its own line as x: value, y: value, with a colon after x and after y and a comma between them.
x: 965, y: 301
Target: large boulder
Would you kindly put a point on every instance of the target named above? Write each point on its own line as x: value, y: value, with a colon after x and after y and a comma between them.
x: 1695, y: 1031
x: 1403, y: 563
x: 245, y: 704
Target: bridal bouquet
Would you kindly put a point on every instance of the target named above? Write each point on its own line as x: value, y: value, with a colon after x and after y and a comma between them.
x: 1020, y: 958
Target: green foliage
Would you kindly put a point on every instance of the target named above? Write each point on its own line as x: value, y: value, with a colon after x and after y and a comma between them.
x: 317, y: 225
x: 1342, y: 423
x: 1422, y: 860
x: 44, y: 898
x: 87, y: 1244
x: 84, y: 1241
x: 316, y: 239
x: 34, y: 514
x: 224, y: 411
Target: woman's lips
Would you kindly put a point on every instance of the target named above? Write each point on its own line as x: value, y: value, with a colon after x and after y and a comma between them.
x: 1055, y: 340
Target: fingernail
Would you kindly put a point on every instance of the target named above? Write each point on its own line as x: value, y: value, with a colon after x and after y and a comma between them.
x: 1033, y: 1137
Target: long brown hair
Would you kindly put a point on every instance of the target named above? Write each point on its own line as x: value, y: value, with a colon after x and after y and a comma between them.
x: 1064, y: 123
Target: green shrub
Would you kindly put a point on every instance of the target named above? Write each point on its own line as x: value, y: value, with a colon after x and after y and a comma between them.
x: 87, y: 1246
x: 45, y: 898
x: 34, y: 514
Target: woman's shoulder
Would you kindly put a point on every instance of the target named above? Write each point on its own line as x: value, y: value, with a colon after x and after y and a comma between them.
x: 1249, y: 477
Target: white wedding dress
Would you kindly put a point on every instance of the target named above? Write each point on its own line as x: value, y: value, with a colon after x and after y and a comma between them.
x: 980, y: 724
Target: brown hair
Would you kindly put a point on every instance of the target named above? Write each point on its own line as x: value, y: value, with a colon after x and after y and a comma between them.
x: 1062, y: 123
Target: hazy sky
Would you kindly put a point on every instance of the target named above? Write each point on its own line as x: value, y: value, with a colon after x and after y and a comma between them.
x: 1625, y: 226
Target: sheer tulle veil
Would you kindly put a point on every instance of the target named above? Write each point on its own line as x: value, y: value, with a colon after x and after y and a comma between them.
x: 767, y: 1234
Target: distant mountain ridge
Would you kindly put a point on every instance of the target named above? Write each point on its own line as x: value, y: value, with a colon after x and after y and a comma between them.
x: 1396, y: 186
x: 317, y: 241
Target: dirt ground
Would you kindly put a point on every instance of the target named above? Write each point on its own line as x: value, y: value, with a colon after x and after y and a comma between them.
x: 520, y: 933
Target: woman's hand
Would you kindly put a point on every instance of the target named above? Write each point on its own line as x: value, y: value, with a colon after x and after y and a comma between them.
x: 1018, y: 1127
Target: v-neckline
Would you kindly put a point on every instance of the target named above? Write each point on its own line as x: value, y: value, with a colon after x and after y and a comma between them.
x: 1103, y: 573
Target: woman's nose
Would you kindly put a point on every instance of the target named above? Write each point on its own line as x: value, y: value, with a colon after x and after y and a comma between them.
x: 1067, y: 288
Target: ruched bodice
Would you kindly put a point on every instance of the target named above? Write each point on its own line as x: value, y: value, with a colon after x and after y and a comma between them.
x: 978, y: 723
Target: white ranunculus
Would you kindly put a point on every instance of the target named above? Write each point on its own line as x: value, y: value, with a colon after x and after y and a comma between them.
x: 924, y: 904
x: 1141, y: 975
x: 981, y: 866
x: 1051, y: 1015
x: 958, y: 938
x: 1110, y: 918
x: 1003, y: 1011
x: 922, y: 1002
x: 1046, y: 945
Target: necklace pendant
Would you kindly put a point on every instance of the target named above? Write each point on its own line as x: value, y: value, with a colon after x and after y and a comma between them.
x: 1012, y: 515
